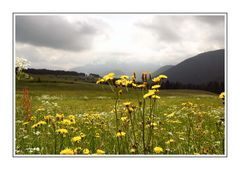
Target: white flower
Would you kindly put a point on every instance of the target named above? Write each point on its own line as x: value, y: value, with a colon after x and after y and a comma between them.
x: 22, y: 63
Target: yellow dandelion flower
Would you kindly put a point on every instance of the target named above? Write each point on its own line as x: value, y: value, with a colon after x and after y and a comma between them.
x: 120, y: 134
x: 76, y: 139
x: 124, y: 118
x: 222, y: 95
x: 127, y: 104
x: 169, y: 141
x: 158, y: 79
x: 67, y: 152
x: 158, y: 149
x: 40, y: 123
x: 66, y: 122
x: 62, y: 131
x: 134, y: 85
x: 149, y: 94
x: 86, y: 151
x: 100, y: 152
x: 156, y: 86
x: 59, y: 116
x: 132, y: 150
x: 82, y: 135
x: 109, y: 76
x: 141, y: 86
x: 48, y: 118
x: 162, y: 76
x: 25, y: 123
x: 124, y: 77
x: 100, y: 81
x: 155, y: 97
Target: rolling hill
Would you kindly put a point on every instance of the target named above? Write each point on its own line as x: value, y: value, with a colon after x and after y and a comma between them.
x: 202, y: 68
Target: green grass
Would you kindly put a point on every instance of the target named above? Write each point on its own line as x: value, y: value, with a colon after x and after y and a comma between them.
x: 200, y: 130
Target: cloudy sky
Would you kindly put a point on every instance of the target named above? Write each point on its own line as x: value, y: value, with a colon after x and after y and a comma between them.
x: 68, y: 41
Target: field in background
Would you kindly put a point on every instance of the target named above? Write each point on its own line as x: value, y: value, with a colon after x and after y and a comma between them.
x: 197, y: 128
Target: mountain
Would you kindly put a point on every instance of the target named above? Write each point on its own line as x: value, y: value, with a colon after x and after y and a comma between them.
x: 118, y: 68
x: 202, y: 68
x: 118, y: 73
x: 161, y: 70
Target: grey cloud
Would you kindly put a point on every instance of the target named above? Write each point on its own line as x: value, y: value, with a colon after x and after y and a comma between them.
x: 165, y: 28
x: 184, y: 28
x: 55, y: 32
x: 211, y: 19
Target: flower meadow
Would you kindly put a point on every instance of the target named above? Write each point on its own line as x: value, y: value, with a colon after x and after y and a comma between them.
x: 117, y: 117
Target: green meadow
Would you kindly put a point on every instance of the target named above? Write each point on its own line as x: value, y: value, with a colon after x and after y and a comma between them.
x: 76, y: 117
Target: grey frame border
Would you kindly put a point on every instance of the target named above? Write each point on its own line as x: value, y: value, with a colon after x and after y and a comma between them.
x: 123, y: 156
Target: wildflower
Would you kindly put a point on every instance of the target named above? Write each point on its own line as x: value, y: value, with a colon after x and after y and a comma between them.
x: 158, y: 149
x: 100, y: 81
x: 67, y: 152
x: 62, y: 131
x: 86, y: 151
x: 124, y: 77
x: 123, y: 82
x: 22, y: 63
x: 222, y: 95
x: 25, y: 123
x: 67, y: 122
x: 132, y: 150
x: 40, y: 123
x: 48, y: 118
x: 155, y: 97
x: 124, y: 118
x: 77, y: 150
x: 169, y: 141
x: 156, y: 86
x: 120, y: 92
x: 100, y: 152
x: 76, y: 139
x: 127, y: 104
x: 97, y: 135
x: 108, y: 77
x: 82, y: 135
x: 158, y: 79
x: 120, y: 134
x: 59, y: 116
x: 149, y: 94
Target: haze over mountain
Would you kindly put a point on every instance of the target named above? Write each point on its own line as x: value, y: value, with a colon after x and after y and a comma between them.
x: 202, y: 68
x: 118, y: 67
x: 161, y: 70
